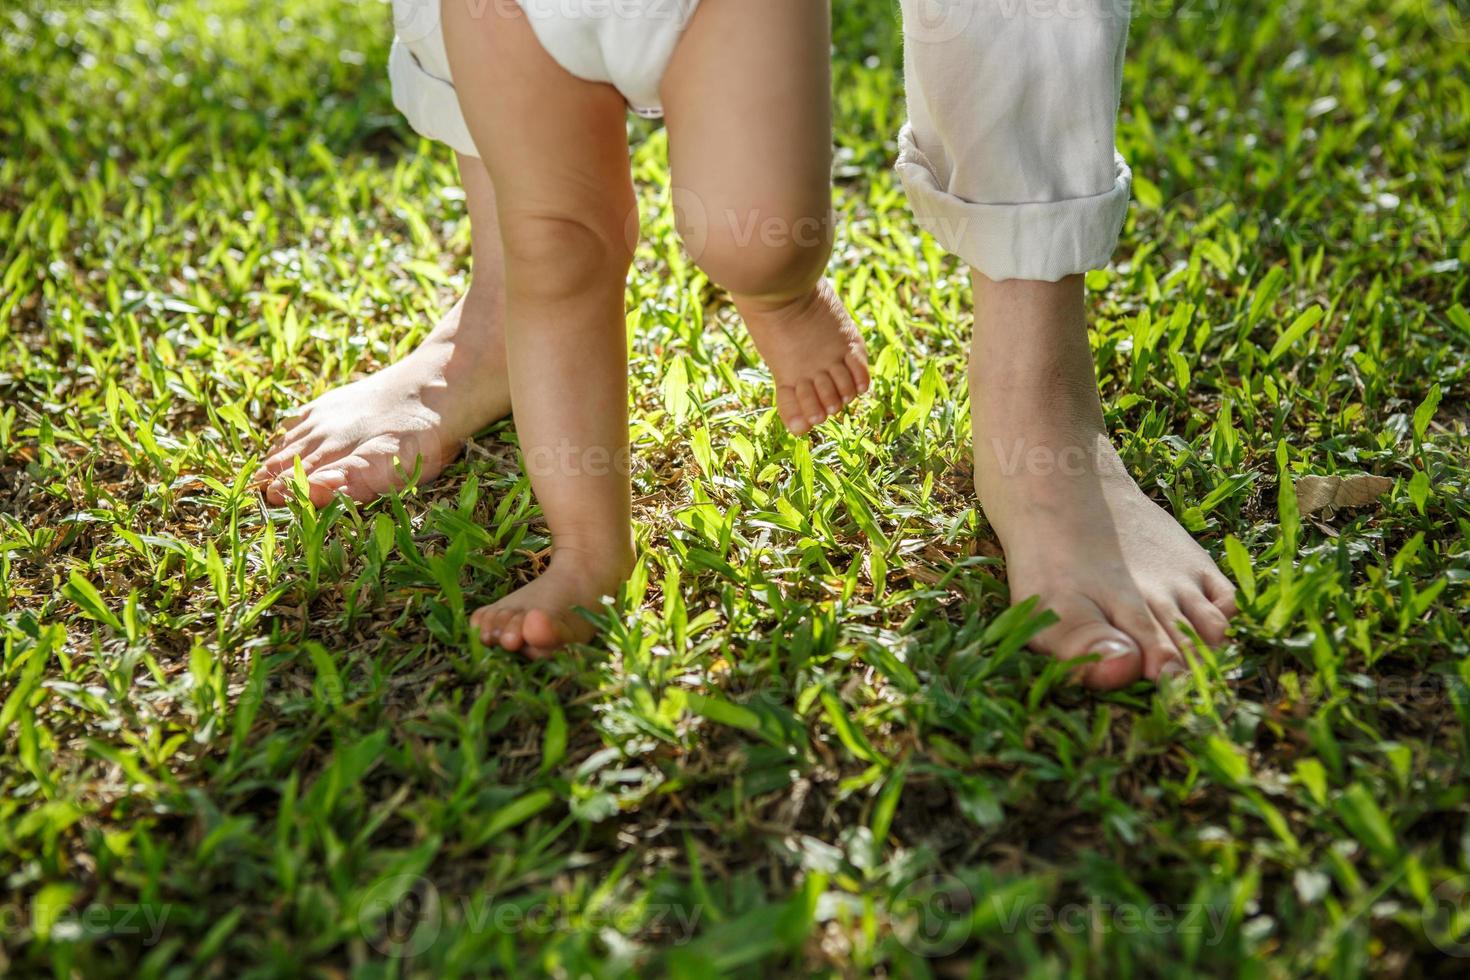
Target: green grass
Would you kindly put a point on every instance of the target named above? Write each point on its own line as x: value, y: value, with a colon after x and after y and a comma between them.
x: 240, y: 741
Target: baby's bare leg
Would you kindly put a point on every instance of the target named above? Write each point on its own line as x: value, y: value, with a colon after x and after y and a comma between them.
x: 748, y: 105
x: 557, y: 150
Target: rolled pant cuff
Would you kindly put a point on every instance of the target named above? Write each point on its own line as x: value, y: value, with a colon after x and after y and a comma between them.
x: 429, y: 103
x: 1047, y: 240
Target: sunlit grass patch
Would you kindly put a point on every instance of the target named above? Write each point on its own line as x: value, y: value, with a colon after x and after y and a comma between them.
x: 811, y: 738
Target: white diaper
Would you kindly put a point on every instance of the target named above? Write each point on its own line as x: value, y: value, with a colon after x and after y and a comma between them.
x: 624, y: 43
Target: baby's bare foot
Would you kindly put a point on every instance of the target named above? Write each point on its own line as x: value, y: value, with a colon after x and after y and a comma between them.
x: 543, y: 616
x: 357, y: 439
x: 815, y: 353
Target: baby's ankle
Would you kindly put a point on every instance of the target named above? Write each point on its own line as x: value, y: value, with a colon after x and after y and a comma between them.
x: 606, y: 559
x: 785, y: 305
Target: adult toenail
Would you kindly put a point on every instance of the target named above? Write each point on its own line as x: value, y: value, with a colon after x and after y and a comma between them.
x: 1114, y: 649
x: 833, y: 409
x: 1172, y: 669
x: 817, y: 419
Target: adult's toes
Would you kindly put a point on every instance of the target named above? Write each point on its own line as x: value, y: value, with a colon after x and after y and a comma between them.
x: 1120, y: 663
x: 1206, y: 618
x: 1159, y: 648
x: 858, y: 365
x: 275, y: 492
x: 1083, y: 630
x: 275, y: 464
x: 361, y: 478
x: 1175, y: 621
x: 842, y: 380
x: 293, y: 418
x: 1221, y: 593
x: 324, y: 485
x: 302, y: 445
x: 287, y: 432
x: 330, y: 455
x: 827, y: 394
x: 278, y: 470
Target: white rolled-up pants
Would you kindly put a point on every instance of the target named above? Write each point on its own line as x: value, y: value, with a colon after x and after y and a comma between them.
x: 1007, y: 157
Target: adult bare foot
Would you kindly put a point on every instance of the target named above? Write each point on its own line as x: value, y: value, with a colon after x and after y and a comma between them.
x: 1120, y: 574
x: 361, y: 439
x: 815, y: 353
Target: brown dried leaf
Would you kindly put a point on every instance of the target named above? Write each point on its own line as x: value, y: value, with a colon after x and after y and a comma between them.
x: 1314, y: 493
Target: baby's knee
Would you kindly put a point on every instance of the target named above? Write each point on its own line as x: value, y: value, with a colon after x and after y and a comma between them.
x: 554, y: 256
x: 773, y: 255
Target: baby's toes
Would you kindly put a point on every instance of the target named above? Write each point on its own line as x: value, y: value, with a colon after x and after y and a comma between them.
x: 488, y: 622
x: 857, y: 363
x: 811, y: 403
x: 510, y: 633
x: 543, y: 634
x: 788, y: 406
x: 495, y: 619
x: 479, y: 623
x: 842, y: 380
x: 827, y: 393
